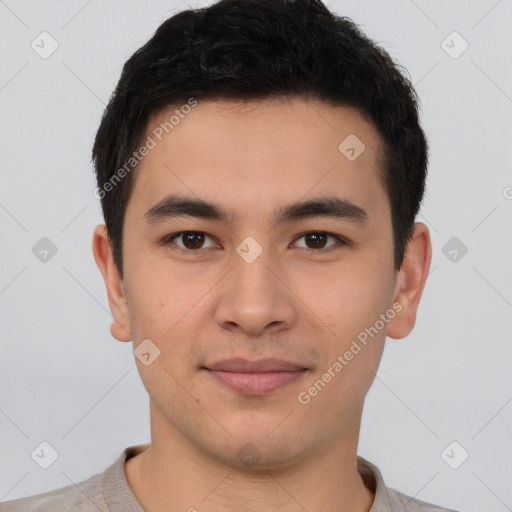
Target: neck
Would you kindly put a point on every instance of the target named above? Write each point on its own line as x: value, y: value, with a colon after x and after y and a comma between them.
x: 172, y: 471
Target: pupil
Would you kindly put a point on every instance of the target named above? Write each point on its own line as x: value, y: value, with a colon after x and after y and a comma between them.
x: 196, y: 240
x: 317, y: 238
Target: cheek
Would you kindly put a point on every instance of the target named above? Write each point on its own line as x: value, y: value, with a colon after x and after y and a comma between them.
x: 170, y: 310
x: 352, y: 313
x: 352, y: 298
x: 157, y: 297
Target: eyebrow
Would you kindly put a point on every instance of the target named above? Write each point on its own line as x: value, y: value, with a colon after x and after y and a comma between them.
x: 174, y: 205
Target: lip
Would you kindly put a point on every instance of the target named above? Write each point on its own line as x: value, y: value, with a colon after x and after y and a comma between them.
x: 241, y: 365
x: 255, y: 378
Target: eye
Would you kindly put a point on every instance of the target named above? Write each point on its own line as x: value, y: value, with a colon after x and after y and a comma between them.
x: 317, y: 241
x: 190, y: 240
x: 193, y: 241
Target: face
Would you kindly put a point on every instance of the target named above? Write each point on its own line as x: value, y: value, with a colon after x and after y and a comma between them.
x: 288, y: 257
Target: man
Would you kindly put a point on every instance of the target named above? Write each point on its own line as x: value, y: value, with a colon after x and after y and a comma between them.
x: 260, y: 167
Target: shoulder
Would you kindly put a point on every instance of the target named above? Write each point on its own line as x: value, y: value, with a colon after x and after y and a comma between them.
x: 408, y: 504
x: 388, y: 499
x: 85, y: 496
x: 102, y: 492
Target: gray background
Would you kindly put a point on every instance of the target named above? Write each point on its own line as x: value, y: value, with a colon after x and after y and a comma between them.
x: 63, y: 378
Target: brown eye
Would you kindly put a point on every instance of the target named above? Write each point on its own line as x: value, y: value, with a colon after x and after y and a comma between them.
x: 193, y: 240
x: 190, y: 240
x: 317, y: 240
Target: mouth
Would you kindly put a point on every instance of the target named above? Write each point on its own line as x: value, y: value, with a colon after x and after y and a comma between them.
x: 255, y: 378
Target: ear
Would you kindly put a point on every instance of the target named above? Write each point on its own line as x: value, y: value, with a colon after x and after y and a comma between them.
x: 120, y: 328
x: 410, y: 281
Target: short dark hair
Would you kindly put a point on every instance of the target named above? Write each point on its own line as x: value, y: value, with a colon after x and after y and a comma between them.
x: 263, y: 49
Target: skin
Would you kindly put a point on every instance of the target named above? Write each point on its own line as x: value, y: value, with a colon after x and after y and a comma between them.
x: 305, y: 307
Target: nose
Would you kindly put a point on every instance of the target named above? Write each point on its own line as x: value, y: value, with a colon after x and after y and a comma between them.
x: 255, y: 298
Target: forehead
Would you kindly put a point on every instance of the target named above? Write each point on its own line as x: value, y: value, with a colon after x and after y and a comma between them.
x: 249, y: 153
x: 289, y: 119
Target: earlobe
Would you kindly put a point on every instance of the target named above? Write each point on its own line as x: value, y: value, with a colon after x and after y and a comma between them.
x: 410, y: 281
x: 120, y: 328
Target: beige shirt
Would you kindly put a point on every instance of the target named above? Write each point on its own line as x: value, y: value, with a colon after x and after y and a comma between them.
x: 109, y: 491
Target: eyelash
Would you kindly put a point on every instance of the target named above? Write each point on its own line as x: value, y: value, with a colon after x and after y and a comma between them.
x: 169, y: 240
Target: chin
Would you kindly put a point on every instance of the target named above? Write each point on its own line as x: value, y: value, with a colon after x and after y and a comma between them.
x: 257, y: 453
